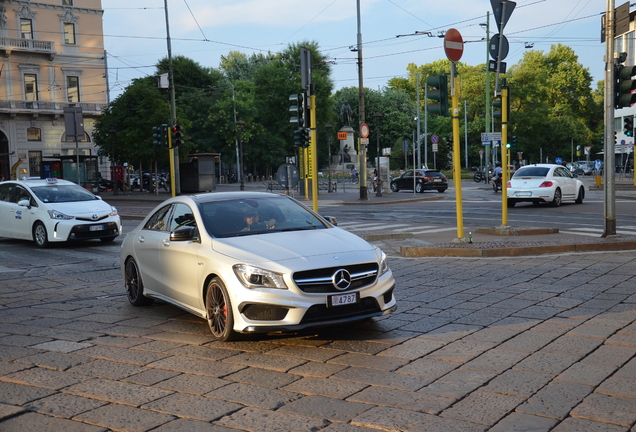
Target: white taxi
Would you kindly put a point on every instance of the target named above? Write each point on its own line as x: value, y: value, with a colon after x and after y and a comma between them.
x: 54, y: 210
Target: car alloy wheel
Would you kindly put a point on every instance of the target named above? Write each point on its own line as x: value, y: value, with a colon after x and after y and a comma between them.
x: 394, y: 187
x: 219, y: 311
x: 556, y: 201
x: 40, y: 236
x: 419, y: 188
x: 134, y: 285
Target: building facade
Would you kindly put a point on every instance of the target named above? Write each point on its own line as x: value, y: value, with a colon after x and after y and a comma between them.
x: 52, y: 68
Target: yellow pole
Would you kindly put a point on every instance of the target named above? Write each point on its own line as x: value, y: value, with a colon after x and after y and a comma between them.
x: 313, y: 151
x: 504, y: 159
x: 171, y: 150
x: 457, y: 170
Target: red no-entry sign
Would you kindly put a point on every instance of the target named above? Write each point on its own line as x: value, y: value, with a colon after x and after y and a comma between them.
x: 453, y: 45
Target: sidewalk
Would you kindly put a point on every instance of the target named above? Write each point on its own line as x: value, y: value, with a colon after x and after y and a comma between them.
x: 487, y: 241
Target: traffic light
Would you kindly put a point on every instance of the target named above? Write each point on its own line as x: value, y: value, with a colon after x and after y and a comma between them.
x: 438, y: 93
x: 306, y: 137
x: 298, y: 108
x: 159, y: 136
x: 177, y: 136
x: 628, y: 126
x: 298, y: 138
x: 512, y: 141
x: 624, y: 86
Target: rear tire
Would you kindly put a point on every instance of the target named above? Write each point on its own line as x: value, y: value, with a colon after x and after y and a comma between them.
x: 511, y: 203
x: 40, y: 235
x: 419, y: 188
x: 134, y: 285
x: 394, y: 187
x: 556, y: 201
x: 580, y: 196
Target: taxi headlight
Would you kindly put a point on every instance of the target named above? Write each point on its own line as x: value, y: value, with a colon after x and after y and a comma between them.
x: 54, y: 214
x: 113, y: 211
x: 255, y: 277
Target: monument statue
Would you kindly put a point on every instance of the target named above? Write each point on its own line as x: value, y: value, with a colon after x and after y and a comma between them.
x: 346, y: 114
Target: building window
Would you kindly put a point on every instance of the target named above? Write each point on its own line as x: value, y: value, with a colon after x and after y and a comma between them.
x: 69, y: 33
x: 72, y: 85
x: 67, y: 2
x: 26, y: 28
x: 35, y: 163
x: 30, y: 87
x: 34, y: 134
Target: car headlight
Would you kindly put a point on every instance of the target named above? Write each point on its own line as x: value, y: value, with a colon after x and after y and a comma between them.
x: 255, y: 277
x: 384, y: 265
x: 113, y: 211
x: 54, y: 214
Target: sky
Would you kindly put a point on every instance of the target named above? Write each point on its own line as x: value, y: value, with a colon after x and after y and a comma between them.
x: 394, y: 33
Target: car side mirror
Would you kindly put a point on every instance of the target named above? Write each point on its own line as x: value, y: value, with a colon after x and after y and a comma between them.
x: 332, y: 220
x: 25, y: 203
x: 184, y: 234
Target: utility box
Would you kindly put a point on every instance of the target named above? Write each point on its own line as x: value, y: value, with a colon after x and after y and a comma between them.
x: 117, y: 172
x: 199, y: 173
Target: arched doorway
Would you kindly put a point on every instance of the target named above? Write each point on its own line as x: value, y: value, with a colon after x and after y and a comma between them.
x: 4, y: 157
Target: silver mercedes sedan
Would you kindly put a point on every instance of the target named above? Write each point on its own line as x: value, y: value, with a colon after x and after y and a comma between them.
x: 251, y: 262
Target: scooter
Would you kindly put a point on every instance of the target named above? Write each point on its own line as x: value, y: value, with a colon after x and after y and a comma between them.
x: 496, y: 183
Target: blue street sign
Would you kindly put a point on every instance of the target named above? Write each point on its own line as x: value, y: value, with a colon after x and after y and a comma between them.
x: 434, y: 139
x: 558, y: 160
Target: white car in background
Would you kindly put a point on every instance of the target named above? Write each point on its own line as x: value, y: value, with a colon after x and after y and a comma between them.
x: 52, y: 210
x: 254, y: 262
x: 544, y: 183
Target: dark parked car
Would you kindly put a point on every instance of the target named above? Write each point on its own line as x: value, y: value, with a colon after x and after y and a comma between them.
x: 421, y: 180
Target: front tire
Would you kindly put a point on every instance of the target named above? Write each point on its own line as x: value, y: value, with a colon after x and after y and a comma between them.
x: 134, y: 285
x: 580, y: 196
x: 556, y: 201
x: 40, y: 235
x: 219, y: 311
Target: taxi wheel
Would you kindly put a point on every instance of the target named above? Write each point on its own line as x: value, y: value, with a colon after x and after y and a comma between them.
x: 134, y: 285
x: 40, y: 236
x: 219, y: 311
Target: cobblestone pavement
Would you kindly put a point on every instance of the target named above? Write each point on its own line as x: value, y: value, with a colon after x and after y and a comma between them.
x: 542, y: 343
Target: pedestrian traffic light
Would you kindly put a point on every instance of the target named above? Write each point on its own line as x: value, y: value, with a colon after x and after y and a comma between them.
x: 158, y: 136
x: 177, y: 136
x: 625, y: 86
x: 298, y: 109
x: 439, y: 92
x: 628, y: 126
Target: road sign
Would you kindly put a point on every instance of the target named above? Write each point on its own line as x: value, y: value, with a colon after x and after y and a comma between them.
x: 364, y: 130
x: 598, y: 164
x: 502, y: 10
x: 434, y: 139
x: 434, y: 148
x: 558, y: 160
x: 481, y: 152
x: 453, y: 45
x: 342, y: 135
x: 495, y: 41
x: 364, y: 141
x: 495, y: 143
x: 490, y: 136
x: 492, y: 66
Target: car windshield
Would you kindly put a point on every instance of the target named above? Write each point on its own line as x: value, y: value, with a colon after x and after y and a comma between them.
x: 532, y: 172
x: 62, y: 193
x: 243, y: 217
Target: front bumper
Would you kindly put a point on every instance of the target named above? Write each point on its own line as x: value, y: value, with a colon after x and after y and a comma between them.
x: 79, y: 230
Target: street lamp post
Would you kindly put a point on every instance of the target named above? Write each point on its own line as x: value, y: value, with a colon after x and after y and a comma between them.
x: 328, y: 128
x: 240, y: 124
x: 378, y: 187
x: 112, y: 133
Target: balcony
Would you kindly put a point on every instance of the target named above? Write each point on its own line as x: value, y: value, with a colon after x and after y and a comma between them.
x: 8, y: 45
x: 40, y: 108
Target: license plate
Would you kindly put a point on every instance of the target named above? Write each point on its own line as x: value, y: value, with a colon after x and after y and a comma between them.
x: 437, y: 180
x: 96, y: 228
x: 523, y: 194
x: 342, y: 299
